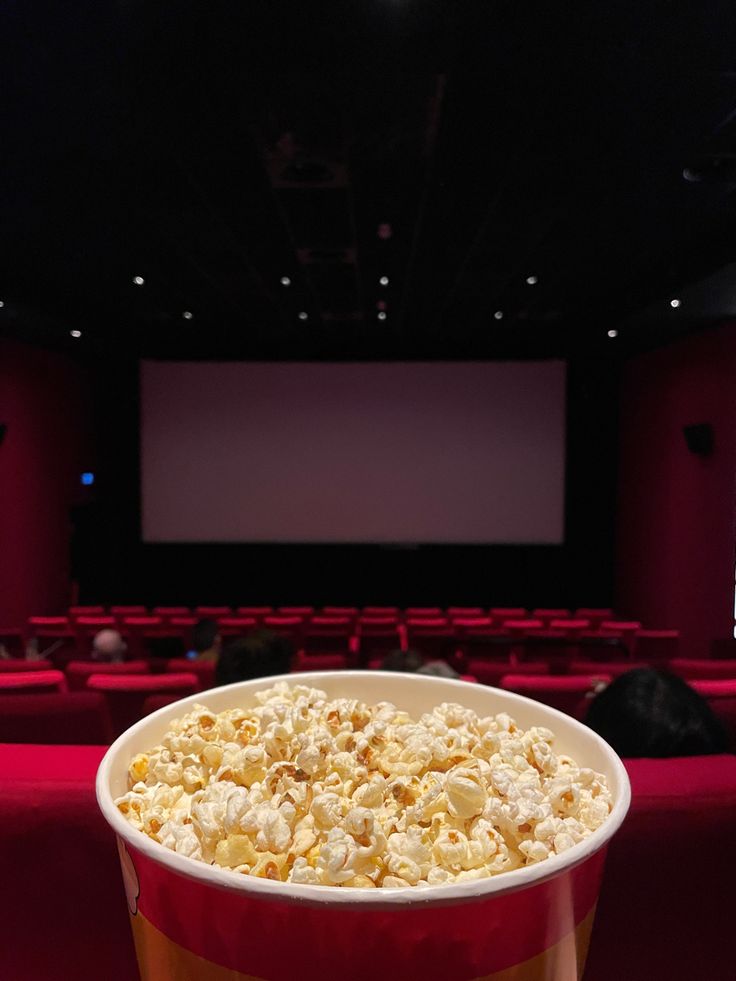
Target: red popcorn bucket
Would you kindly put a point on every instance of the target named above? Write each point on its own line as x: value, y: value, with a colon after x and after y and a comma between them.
x: 195, y: 922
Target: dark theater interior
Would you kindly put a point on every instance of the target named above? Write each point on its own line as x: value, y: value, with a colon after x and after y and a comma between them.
x: 392, y: 341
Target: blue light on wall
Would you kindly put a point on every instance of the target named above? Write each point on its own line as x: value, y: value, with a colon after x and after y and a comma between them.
x: 88, y: 478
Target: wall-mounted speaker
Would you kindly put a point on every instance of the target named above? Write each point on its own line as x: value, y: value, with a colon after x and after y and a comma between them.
x: 699, y: 438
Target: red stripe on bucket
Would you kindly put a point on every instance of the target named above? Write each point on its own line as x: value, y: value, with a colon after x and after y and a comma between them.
x: 277, y: 941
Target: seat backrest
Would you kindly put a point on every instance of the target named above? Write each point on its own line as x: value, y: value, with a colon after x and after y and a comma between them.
x: 15, y: 664
x: 465, y: 612
x: 423, y: 611
x: 489, y: 672
x: 676, y: 844
x: 613, y: 668
x: 128, y: 611
x: 508, y: 613
x: 702, y: 669
x: 204, y: 670
x: 567, y: 693
x: 77, y: 672
x: 126, y: 694
x: 74, y: 718
x: 18, y: 682
x: 212, y: 612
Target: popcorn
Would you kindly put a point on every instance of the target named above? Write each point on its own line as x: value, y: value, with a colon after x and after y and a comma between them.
x: 309, y: 790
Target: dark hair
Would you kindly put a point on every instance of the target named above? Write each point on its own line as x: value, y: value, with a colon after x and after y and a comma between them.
x: 654, y: 713
x: 258, y: 654
x: 204, y: 635
x: 402, y: 661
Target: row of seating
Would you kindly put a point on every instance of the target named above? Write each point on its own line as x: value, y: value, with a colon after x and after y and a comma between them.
x: 593, y: 614
x: 660, y: 915
x: 438, y: 636
x: 128, y: 695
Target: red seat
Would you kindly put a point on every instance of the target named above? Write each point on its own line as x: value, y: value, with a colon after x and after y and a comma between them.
x: 612, y: 668
x: 78, y: 672
x: 139, y: 632
x: 597, y: 645
x: 465, y: 612
x: 488, y: 672
x: 721, y: 696
x: 211, y: 612
x: 68, y: 917
x: 662, y: 912
x: 18, y: 682
x: 289, y: 627
x: 126, y: 694
x: 621, y: 626
x: 79, y: 718
x: 573, y: 627
x: 596, y: 614
x: 128, y: 611
x: 552, y: 646
x: 568, y: 693
x: 204, y: 670
x: 700, y: 668
x: 501, y: 613
x: 14, y: 664
x: 376, y: 636
x: 86, y: 611
x: 340, y: 611
x: 423, y: 612
x: 656, y: 645
x: 320, y: 662
x: 433, y: 637
x: 171, y: 611
x: 487, y: 643
x: 296, y: 611
x: 87, y: 627
x: 380, y: 611
x: 152, y: 703
x: 52, y: 633
x: 547, y: 614
x: 236, y: 626
x: 328, y: 635
x: 520, y: 628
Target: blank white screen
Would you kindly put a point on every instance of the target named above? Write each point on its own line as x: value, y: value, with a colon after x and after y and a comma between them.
x: 360, y: 452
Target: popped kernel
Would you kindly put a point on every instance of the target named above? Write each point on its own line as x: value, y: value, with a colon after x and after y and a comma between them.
x: 332, y: 792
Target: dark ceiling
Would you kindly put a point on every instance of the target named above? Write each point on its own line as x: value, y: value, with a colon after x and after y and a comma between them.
x: 213, y: 148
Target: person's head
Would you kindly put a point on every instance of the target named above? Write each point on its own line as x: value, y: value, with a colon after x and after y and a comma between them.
x: 438, y: 669
x: 402, y: 661
x: 206, y: 637
x: 108, y: 645
x: 656, y: 714
x: 256, y: 655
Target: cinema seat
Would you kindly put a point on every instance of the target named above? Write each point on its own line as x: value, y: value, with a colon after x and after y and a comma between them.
x: 567, y: 693
x: 126, y: 694
x: 78, y: 718
x: 78, y: 672
x: 488, y: 672
x: 11, y: 638
x: 664, y: 912
x: 700, y: 668
x: 656, y: 646
x: 613, y: 668
x: 19, y: 682
x: 15, y: 664
x: 320, y: 662
x: 721, y: 696
x: 204, y: 670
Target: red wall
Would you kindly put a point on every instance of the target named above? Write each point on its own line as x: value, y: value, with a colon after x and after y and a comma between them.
x: 675, y: 518
x: 43, y: 403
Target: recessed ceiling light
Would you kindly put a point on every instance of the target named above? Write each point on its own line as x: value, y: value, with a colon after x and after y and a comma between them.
x: 532, y: 280
x: 613, y: 333
x: 75, y: 333
x: 138, y: 280
x: 383, y: 280
x: 303, y: 315
x: 187, y: 315
x: 285, y: 281
x: 381, y: 314
x: 498, y: 315
x: 674, y: 304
